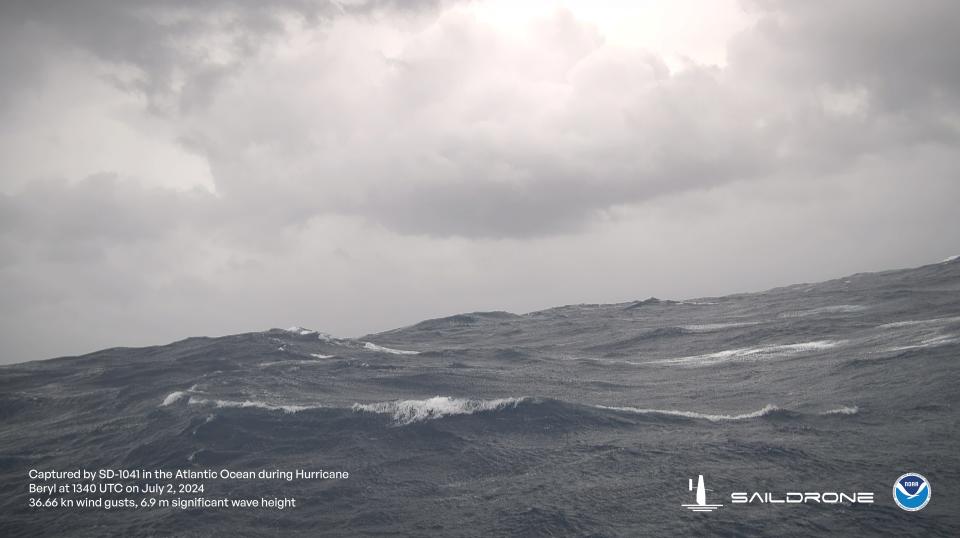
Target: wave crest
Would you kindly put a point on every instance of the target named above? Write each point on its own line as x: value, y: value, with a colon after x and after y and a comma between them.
x: 174, y: 397
x: 845, y: 410
x: 410, y: 411
x: 370, y: 346
x: 753, y: 353
x: 766, y: 410
x: 250, y: 403
x: 834, y: 309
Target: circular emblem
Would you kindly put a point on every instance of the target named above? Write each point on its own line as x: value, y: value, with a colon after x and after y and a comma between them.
x: 911, y: 492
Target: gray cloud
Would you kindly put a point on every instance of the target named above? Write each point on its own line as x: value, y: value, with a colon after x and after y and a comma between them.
x: 461, y: 136
x: 98, y: 208
x: 181, y: 50
x: 901, y: 53
x: 378, y: 162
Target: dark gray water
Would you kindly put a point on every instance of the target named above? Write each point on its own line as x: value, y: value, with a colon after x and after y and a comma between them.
x: 582, y: 420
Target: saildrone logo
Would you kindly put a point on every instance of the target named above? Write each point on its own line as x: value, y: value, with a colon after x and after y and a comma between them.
x: 701, y: 505
x: 911, y: 492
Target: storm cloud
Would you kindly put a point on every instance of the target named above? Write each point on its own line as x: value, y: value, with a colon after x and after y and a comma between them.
x: 170, y: 168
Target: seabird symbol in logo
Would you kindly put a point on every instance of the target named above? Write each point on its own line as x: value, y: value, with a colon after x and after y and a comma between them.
x: 701, y: 505
x: 911, y: 492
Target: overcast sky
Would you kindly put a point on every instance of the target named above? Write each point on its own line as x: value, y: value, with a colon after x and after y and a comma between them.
x: 175, y: 168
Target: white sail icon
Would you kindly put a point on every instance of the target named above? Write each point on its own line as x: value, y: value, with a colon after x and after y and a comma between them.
x: 701, y: 505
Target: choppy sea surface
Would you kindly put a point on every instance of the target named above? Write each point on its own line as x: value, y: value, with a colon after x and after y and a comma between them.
x: 583, y: 420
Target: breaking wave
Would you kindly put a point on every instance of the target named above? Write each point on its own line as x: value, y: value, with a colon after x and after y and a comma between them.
x: 410, y: 411
x: 251, y: 403
x: 766, y: 410
x: 845, y: 410
x: 173, y: 397
x: 751, y: 353
x: 374, y: 347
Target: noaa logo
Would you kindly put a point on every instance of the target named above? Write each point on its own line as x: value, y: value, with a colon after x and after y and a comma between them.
x: 911, y: 492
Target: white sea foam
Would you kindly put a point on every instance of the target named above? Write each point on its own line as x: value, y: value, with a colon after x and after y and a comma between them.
x: 305, y: 362
x: 835, y: 309
x: 176, y: 396
x: 845, y: 410
x: 913, y: 322
x: 374, y: 347
x: 321, y: 356
x: 766, y: 410
x: 939, y: 340
x: 951, y: 258
x: 302, y: 331
x: 751, y: 353
x: 410, y: 411
x: 935, y: 341
x: 610, y: 361
x: 173, y: 397
x: 250, y: 403
x: 710, y: 327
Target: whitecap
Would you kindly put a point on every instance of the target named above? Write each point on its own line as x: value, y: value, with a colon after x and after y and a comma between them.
x: 710, y: 327
x: 845, y: 410
x: 173, y: 397
x: 835, y: 309
x: 176, y: 396
x: 935, y: 341
x: 410, y: 411
x: 913, y: 322
x: 374, y: 347
x: 751, y: 353
x: 766, y: 410
x: 293, y: 362
x: 250, y: 403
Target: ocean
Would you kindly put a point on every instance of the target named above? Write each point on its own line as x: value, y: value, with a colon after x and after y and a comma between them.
x: 581, y: 420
